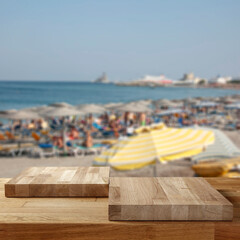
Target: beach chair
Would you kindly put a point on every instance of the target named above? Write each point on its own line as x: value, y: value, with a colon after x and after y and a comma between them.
x: 108, y: 134
x: 36, y: 137
x: 9, y: 150
x: 16, y: 149
x: 75, y: 150
x: 45, y: 150
x: 10, y: 136
x: 44, y: 132
x: 101, y: 131
x: 2, y: 137
x: 95, y: 149
x: 97, y: 126
x: 6, y: 151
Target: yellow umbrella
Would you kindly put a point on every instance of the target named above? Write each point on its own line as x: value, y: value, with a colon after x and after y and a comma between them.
x: 165, y: 144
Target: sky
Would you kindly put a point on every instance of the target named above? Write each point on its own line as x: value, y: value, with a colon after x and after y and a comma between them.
x: 127, y: 39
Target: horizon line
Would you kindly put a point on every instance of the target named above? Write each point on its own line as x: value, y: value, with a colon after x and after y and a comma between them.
x: 43, y: 80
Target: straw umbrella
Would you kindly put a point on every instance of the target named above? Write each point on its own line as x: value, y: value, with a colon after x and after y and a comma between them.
x: 91, y: 108
x: 206, y: 104
x: 112, y: 106
x: 61, y: 112
x: 166, y: 103
x: 22, y: 115
x: 191, y: 101
x: 133, y: 107
x: 4, y: 113
x: 143, y: 102
x: 60, y: 104
x: 37, y: 109
x: 233, y: 106
x: 172, y: 111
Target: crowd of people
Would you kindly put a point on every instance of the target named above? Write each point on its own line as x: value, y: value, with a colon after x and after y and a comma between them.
x: 116, y: 124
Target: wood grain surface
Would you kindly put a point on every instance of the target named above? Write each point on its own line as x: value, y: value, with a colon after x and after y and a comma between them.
x: 87, y: 218
x: 166, y: 199
x: 60, y: 182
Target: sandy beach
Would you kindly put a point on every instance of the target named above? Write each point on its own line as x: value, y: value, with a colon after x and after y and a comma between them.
x: 10, y: 166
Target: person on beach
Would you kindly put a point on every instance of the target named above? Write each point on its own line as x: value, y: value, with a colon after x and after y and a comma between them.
x: 130, y: 129
x: 115, y: 127
x: 142, y: 119
x: 58, y: 142
x: 73, y: 134
x: 31, y: 125
x: 88, y: 141
x: 125, y: 117
x: 90, y: 121
x: 17, y: 125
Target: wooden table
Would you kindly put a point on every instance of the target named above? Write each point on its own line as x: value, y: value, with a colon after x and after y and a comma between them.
x: 87, y: 218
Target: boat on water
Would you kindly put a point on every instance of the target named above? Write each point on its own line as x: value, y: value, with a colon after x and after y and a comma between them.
x: 102, y: 79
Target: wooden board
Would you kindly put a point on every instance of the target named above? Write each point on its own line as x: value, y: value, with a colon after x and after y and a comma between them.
x: 60, y: 182
x: 87, y: 218
x: 166, y: 199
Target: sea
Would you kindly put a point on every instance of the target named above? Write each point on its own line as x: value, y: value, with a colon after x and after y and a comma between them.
x: 23, y: 94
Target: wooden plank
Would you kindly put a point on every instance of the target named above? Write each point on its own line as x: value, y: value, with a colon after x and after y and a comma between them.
x: 166, y: 199
x: 60, y: 182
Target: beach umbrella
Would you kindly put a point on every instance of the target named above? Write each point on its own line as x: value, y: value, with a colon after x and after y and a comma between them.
x: 206, y: 104
x: 191, y: 101
x: 233, y: 106
x: 60, y: 104
x: 143, y: 102
x: 223, y: 147
x: 229, y: 99
x: 43, y: 109
x: 162, y: 101
x: 4, y: 113
x: 61, y: 112
x: 91, y: 108
x: 21, y: 115
x: 172, y: 111
x: 37, y: 109
x: 166, y: 103
x: 166, y: 144
x: 133, y: 107
x: 111, y: 106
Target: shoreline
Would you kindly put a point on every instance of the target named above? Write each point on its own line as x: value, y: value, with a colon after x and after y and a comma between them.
x: 153, y: 85
x: 201, y: 98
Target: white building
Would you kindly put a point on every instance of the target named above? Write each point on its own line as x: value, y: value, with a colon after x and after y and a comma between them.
x: 219, y: 80
x: 156, y: 79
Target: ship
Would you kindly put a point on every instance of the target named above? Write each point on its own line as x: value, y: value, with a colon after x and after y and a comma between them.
x: 102, y: 79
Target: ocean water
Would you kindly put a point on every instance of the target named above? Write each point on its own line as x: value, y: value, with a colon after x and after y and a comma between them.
x: 22, y: 94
